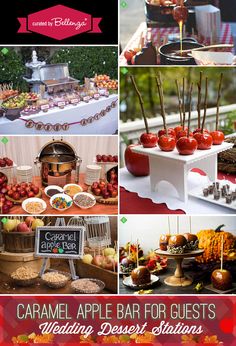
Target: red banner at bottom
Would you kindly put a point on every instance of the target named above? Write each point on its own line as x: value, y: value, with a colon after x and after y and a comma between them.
x: 157, y: 320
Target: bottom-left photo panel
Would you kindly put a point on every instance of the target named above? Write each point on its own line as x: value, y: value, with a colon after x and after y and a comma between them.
x: 58, y: 255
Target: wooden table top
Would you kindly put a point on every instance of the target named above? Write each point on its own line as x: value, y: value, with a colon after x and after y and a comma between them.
x: 98, y: 209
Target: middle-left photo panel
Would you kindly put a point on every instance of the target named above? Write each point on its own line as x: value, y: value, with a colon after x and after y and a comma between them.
x: 59, y: 90
x: 62, y: 175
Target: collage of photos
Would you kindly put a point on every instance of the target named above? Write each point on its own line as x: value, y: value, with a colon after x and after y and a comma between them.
x: 118, y: 159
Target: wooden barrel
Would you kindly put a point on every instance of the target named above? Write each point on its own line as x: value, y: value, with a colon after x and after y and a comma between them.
x: 18, y: 242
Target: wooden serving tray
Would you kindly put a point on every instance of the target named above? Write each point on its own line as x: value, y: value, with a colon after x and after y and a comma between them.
x: 19, y: 201
x: 100, y: 199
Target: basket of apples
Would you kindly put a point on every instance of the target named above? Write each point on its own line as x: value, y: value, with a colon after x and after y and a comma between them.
x: 19, y: 236
x: 17, y: 193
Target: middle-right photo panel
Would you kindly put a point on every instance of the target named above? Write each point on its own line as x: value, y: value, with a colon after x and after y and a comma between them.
x: 176, y: 140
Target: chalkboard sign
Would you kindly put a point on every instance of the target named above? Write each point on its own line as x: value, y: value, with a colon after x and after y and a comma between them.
x: 60, y: 241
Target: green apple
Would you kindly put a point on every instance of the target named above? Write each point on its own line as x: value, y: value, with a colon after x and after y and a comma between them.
x: 109, y: 251
x: 37, y: 223
x: 87, y: 259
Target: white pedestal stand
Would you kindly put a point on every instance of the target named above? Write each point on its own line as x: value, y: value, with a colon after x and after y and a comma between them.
x: 174, y: 168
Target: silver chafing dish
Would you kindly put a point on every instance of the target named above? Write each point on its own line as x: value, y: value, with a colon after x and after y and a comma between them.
x: 57, y: 160
x: 56, y: 78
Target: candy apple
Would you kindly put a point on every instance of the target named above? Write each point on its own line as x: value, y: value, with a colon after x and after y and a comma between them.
x: 186, y: 145
x: 218, y: 137
x: 148, y: 140
x: 109, y: 251
x: 87, y: 259
x: 166, y: 143
x: 200, y: 130
x: 98, y: 260
x: 171, y: 132
x: 29, y: 220
x: 37, y: 223
x: 221, y: 279
x: 128, y: 54
x: 183, y: 133
x: 136, y: 164
x: 23, y: 228
x: 204, y: 140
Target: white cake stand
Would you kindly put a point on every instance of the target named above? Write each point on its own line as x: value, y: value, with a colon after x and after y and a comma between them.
x: 174, y: 168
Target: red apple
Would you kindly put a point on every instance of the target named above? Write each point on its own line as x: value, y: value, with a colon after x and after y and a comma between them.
x: 204, y: 140
x: 99, y: 158
x: 200, y: 130
x: 35, y: 190
x: 9, y: 204
x: 115, y: 157
x: 218, y: 137
x: 128, y: 54
x: 148, y: 140
x: 29, y: 220
x: 5, y: 209
x: 97, y: 192
x: 98, y: 260
x: 136, y: 164
x: 30, y: 194
x: 166, y: 143
x: 15, y: 196
x: 170, y: 131
x: 23, y: 228
x: 104, y: 158
x: 179, y: 128
x: 184, y: 133
x: 114, y: 193
x: 186, y: 145
x: 110, y: 158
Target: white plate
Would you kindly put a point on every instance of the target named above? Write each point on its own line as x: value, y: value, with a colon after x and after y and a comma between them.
x: 67, y: 198
x: 60, y: 189
x: 198, y: 193
x: 129, y: 283
x: 34, y: 199
x: 85, y: 194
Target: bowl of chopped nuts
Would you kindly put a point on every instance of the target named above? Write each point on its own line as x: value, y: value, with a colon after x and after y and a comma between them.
x: 84, y: 200
x: 56, y: 279
x: 87, y: 286
x: 24, y: 276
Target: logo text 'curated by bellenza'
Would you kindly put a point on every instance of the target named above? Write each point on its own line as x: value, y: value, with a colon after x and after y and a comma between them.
x: 59, y: 22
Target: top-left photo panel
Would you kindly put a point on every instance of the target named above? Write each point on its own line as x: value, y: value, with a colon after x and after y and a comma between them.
x: 66, y: 22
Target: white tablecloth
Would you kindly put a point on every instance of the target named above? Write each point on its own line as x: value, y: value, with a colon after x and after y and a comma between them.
x: 106, y: 125
x: 167, y: 193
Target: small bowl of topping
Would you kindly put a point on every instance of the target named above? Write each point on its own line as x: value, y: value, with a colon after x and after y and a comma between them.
x: 34, y: 205
x: 61, y: 201
x: 56, y: 279
x: 72, y: 189
x: 87, y: 286
x: 52, y: 190
x: 24, y: 276
x: 84, y: 200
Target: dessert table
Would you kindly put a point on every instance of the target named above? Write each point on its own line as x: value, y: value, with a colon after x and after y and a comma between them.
x: 72, y: 115
x: 158, y: 35
x: 174, y: 168
x: 98, y: 209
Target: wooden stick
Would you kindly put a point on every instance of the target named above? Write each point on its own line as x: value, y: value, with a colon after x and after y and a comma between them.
x: 161, y: 97
x: 190, y: 224
x: 190, y: 107
x: 180, y: 103
x: 141, y: 102
x: 183, y: 102
x: 218, y: 101
x: 205, y: 104
x: 177, y: 224
x: 199, y: 100
x: 222, y: 251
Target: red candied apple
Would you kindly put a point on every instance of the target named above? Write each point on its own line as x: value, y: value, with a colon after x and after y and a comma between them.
x: 200, y: 130
x: 180, y: 14
x: 30, y: 194
x: 180, y: 128
x: 166, y: 143
x: 204, y: 140
x: 186, y: 145
x: 104, y: 158
x: 128, y: 54
x: 15, y: 196
x: 218, y: 137
x: 171, y: 132
x: 115, y: 157
x: 2, y: 163
x: 148, y: 140
x: 97, y: 192
x: 184, y: 133
x: 110, y: 158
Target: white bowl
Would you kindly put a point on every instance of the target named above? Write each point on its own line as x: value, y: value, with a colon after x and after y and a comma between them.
x: 85, y: 194
x: 213, y: 58
x: 68, y: 185
x: 67, y: 198
x: 34, y: 199
x: 60, y: 189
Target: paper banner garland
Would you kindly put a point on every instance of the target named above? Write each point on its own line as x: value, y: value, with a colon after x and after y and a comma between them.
x: 65, y: 127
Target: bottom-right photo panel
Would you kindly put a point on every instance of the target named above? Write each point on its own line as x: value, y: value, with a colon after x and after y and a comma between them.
x: 177, y: 254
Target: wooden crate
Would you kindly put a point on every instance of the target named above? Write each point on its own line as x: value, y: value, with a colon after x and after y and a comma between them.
x: 9, y: 262
x: 91, y: 271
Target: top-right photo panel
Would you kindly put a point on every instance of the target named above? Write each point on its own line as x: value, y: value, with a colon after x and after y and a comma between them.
x: 178, y: 32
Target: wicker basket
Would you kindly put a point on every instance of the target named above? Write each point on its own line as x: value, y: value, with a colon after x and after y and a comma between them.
x: 25, y: 282
x: 227, y: 158
x: 19, y: 242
